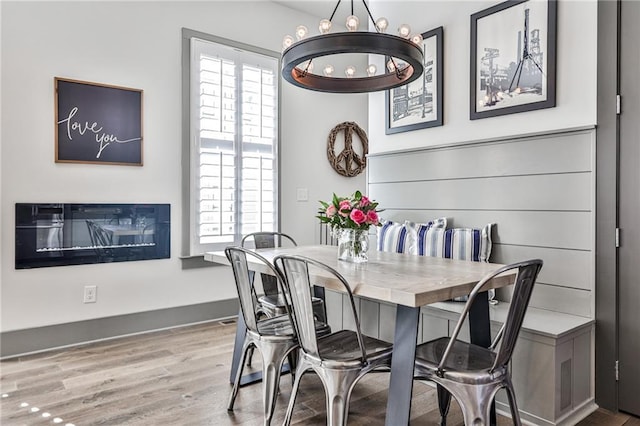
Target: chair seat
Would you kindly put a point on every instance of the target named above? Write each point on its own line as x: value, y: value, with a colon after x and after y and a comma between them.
x: 274, y: 305
x: 464, y: 358
x: 272, y: 302
x: 281, y: 326
x: 342, y: 348
x: 277, y: 302
x: 276, y: 326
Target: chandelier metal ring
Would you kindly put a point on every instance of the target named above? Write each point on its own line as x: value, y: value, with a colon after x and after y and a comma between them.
x: 352, y: 42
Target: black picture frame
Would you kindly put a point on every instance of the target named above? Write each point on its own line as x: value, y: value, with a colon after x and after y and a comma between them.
x: 97, y: 123
x: 513, y: 58
x: 404, y: 112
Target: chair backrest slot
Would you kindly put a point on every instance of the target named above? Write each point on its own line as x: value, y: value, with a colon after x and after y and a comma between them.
x: 295, y: 270
x: 267, y: 239
x: 244, y: 283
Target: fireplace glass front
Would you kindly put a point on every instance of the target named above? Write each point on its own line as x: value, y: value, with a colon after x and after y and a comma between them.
x: 52, y: 234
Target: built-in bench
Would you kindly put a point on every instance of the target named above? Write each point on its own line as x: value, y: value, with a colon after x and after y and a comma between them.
x: 551, y: 365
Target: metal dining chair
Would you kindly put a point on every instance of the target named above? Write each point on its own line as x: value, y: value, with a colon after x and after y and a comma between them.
x: 341, y: 358
x: 273, y: 303
x: 274, y: 337
x: 474, y: 374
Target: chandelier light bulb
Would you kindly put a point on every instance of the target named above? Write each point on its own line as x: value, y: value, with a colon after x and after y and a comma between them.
x: 352, y: 23
x: 325, y: 26
x: 350, y: 71
x: 301, y: 32
x: 404, y: 31
x: 287, y: 41
x: 328, y: 70
x: 382, y: 24
x: 417, y: 39
x: 371, y: 70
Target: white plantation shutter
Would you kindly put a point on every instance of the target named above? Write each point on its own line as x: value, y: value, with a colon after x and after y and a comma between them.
x: 234, y: 116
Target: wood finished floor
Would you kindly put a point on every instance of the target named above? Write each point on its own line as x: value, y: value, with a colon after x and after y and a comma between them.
x: 180, y: 377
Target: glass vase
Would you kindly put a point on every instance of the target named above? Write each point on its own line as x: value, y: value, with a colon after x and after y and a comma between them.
x: 353, y: 245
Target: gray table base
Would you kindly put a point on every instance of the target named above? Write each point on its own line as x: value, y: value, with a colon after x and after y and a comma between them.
x: 404, y: 355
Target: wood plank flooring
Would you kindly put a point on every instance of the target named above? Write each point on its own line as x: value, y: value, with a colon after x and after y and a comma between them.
x: 180, y: 377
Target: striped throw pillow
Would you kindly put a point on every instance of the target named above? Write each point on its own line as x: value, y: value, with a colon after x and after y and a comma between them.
x: 440, y: 222
x: 456, y: 243
x: 396, y: 237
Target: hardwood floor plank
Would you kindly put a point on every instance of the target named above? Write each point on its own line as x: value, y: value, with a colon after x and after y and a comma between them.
x: 181, y: 377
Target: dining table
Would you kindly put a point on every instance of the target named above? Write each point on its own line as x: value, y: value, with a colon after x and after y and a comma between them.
x: 409, y: 282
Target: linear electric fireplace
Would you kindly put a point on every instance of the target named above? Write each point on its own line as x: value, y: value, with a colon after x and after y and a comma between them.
x: 51, y: 234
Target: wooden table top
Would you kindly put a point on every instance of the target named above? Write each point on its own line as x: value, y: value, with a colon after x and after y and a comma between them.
x: 390, y: 277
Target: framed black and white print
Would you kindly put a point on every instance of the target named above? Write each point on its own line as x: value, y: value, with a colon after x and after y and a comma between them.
x: 513, y: 58
x: 419, y: 104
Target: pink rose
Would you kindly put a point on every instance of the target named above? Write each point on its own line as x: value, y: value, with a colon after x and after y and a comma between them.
x: 344, y: 205
x: 331, y: 211
x: 372, y: 217
x: 358, y: 216
x: 364, y: 201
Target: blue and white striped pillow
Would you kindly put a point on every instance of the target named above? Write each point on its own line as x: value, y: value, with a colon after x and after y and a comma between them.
x: 396, y: 237
x: 440, y: 222
x: 456, y: 243
x: 401, y: 238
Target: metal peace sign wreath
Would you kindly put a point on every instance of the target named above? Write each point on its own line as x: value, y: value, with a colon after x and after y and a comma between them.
x: 348, y: 163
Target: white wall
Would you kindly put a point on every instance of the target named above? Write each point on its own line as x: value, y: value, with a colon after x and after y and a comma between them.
x: 575, y: 82
x: 138, y: 45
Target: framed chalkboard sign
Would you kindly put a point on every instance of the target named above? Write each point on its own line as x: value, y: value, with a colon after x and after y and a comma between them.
x: 97, y: 123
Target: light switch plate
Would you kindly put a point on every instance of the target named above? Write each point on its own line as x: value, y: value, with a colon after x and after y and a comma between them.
x: 302, y: 194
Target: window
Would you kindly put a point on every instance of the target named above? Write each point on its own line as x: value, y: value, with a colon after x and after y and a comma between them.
x: 233, y: 140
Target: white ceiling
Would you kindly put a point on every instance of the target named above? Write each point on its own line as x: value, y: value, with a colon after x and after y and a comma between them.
x: 324, y: 8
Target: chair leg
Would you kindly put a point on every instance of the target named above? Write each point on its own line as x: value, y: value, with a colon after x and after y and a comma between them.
x: 260, y: 313
x: 475, y: 402
x: 250, y: 356
x: 293, y: 361
x: 294, y: 392
x: 515, y: 414
x: 236, y: 382
x: 273, y: 356
x: 338, y: 386
x: 444, y: 402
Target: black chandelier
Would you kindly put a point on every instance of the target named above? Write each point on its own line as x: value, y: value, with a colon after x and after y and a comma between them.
x: 403, y: 56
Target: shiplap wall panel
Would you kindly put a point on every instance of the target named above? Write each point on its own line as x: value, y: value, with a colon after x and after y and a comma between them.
x: 557, y: 192
x: 333, y: 303
x: 369, y: 317
x: 387, y: 322
x: 565, y: 268
x: 556, y: 298
x: 489, y: 159
x: 562, y: 299
x: 538, y: 191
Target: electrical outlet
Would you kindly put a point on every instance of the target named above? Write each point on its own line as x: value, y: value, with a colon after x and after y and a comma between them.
x: 90, y: 294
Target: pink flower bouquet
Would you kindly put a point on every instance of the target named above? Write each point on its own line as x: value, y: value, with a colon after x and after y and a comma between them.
x: 356, y: 212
